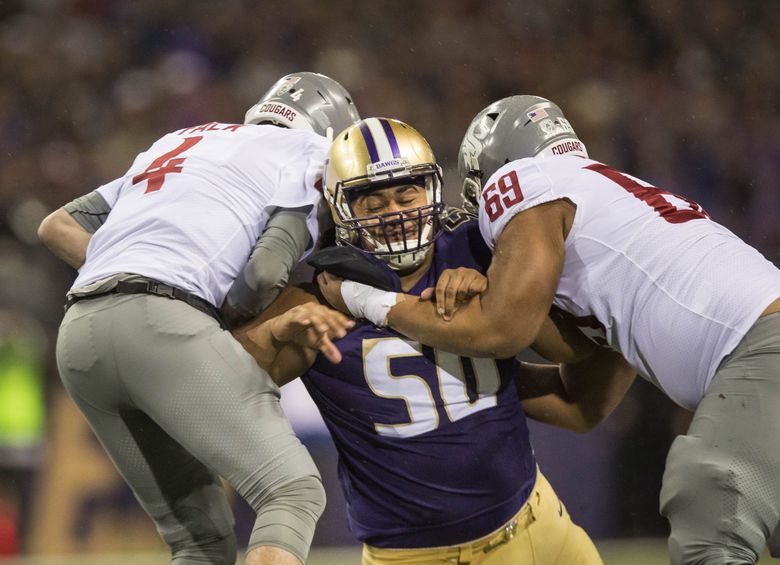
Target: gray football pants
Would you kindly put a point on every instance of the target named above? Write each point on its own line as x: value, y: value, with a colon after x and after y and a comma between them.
x: 721, y: 487
x: 176, y: 401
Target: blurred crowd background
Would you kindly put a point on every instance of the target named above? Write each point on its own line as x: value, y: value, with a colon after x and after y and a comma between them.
x: 683, y: 94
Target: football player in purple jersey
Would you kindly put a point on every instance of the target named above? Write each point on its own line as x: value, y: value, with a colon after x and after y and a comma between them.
x: 434, y: 455
x: 687, y: 303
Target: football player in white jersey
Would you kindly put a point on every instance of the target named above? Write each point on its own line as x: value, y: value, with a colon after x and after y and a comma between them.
x: 173, y: 398
x: 689, y: 305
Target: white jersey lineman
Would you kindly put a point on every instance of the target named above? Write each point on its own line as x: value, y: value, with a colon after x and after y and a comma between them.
x: 174, y: 398
x: 672, y: 291
x: 191, y: 208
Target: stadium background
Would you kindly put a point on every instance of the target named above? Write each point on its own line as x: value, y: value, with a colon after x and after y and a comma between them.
x: 684, y: 94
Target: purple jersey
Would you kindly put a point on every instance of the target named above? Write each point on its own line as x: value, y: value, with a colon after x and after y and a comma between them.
x: 433, y: 448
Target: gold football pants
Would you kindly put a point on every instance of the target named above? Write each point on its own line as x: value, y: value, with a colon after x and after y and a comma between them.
x: 541, y: 533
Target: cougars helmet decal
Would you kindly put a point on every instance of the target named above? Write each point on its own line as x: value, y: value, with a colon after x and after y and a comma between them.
x: 309, y: 101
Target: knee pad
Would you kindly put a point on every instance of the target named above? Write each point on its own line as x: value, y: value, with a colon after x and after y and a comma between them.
x: 287, y: 516
x: 199, y: 524
x: 689, y: 552
x: 774, y: 543
x: 704, y: 500
x: 212, y: 551
x: 690, y: 469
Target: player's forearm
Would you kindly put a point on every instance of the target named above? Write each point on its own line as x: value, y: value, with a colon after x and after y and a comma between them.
x: 598, y: 383
x: 65, y: 237
x: 576, y: 396
x: 557, y: 411
x: 545, y: 398
x: 260, y: 344
x: 471, y: 332
x: 284, y: 361
x: 500, y: 323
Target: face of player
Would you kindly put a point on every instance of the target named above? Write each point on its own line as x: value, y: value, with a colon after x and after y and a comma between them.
x: 397, y: 206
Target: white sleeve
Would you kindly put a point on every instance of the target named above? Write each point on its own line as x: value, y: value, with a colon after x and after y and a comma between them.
x: 515, y: 187
x: 110, y: 191
x: 274, y: 257
x: 298, y: 188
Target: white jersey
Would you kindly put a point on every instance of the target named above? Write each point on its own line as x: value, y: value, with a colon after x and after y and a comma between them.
x: 191, y: 208
x: 671, y: 290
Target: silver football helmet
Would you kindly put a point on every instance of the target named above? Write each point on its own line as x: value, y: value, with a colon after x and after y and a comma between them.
x: 308, y: 101
x: 509, y: 129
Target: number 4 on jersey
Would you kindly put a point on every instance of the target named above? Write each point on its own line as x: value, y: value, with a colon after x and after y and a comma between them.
x: 165, y: 164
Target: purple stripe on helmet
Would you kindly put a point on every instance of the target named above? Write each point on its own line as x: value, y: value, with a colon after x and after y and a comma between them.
x: 370, y: 145
x: 391, y: 138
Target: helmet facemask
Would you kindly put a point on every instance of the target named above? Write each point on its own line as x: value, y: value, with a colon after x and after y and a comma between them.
x: 469, y: 165
x: 471, y: 190
x: 402, y: 237
x: 384, y: 188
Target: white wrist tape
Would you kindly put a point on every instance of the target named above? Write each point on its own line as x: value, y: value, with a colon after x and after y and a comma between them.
x: 367, y: 302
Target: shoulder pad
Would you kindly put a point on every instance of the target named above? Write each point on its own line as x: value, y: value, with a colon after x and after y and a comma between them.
x: 352, y: 264
x: 456, y: 217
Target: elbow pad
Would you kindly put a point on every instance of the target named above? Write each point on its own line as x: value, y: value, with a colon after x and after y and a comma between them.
x: 278, y: 250
x: 90, y: 211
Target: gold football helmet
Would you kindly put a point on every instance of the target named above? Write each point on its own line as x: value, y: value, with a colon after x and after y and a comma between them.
x: 368, y: 157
